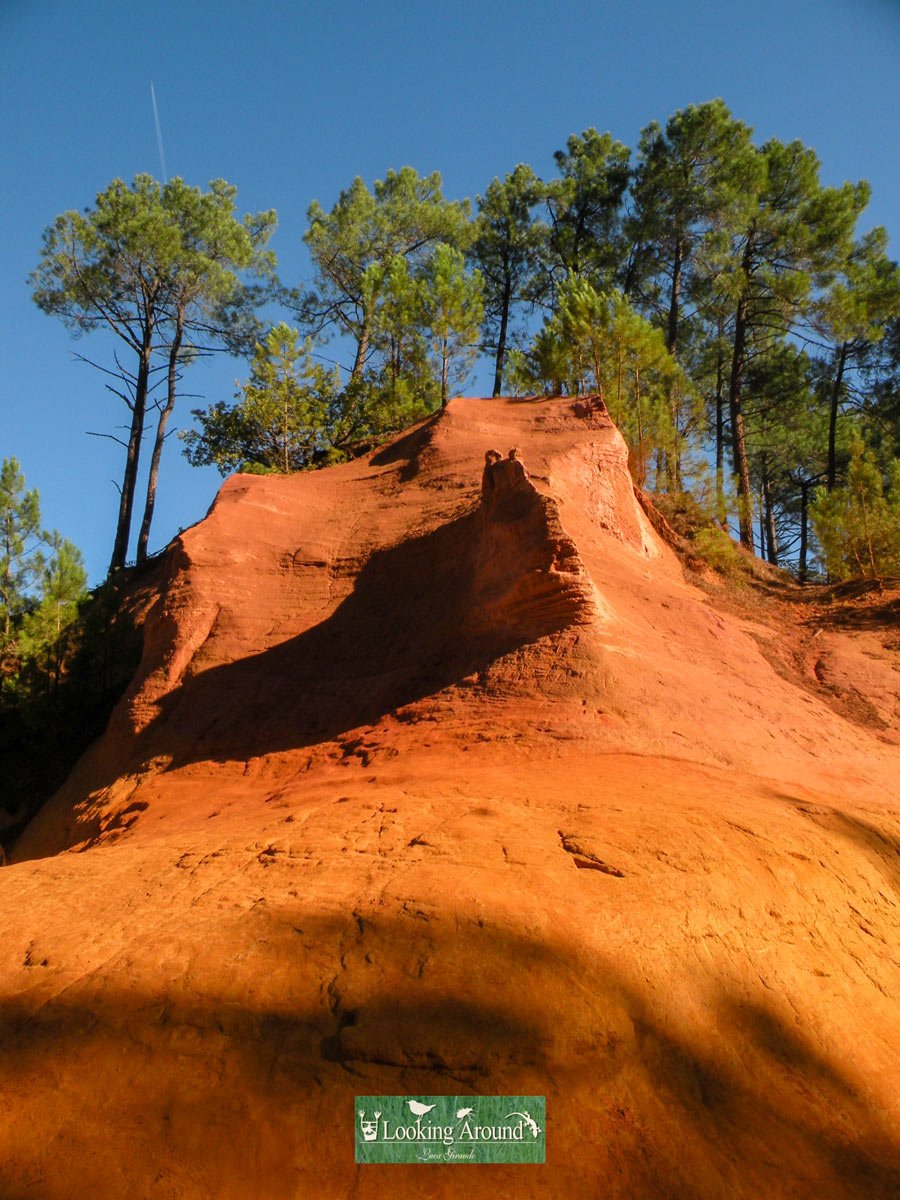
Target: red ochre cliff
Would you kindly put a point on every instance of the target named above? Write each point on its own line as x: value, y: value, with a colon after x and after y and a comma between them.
x: 440, y: 775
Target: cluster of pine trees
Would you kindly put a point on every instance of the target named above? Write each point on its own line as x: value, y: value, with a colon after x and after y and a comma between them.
x: 743, y: 331
x: 742, y: 327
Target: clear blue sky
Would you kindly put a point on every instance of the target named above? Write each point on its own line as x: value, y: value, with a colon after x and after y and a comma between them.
x: 289, y: 101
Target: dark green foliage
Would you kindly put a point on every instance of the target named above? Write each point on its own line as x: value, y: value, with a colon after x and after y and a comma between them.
x: 792, y: 237
x: 452, y: 311
x: 49, y: 716
x: 585, y: 204
x: 42, y: 579
x: 878, y: 399
x: 687, y: 192
x: 372, y: 407
x: 293, y: 414
x: 356, y: 245
x: 66, y: 656
x: 21, y: 548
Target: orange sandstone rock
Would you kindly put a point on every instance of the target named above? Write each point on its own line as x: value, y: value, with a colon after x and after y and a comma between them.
x: 439, y: 775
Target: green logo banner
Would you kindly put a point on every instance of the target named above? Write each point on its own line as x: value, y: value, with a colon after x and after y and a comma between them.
x: 450, y: 1129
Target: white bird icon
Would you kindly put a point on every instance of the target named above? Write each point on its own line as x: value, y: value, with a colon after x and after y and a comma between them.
x: 418, y: 1108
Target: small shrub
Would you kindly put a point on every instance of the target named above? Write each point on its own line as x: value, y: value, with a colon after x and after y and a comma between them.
x: 716, y: 549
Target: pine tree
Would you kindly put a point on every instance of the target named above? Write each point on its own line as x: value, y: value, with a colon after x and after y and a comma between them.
x: 48, y: 633
x: 585, y: 206
x: 354, y: 245
x: 453, y: 314
x: 281, y: 420
x: 42, y: 580
x: 22, y: 543
x: 795, y: 236
x: 858, y: 524
x: 854, y: 315
x: 509, y: 250
x: 155, y: 265
x: 596, y: 342
x: 785, y: 425
x: 688, y: 188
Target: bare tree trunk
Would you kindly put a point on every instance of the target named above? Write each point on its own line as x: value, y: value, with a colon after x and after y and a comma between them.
x: 673, y: 454
x: 285, y: 456
x: 768, y: 513
x: 501, y: 338
x: 362, y: 350
x: 445, y: 369
x: 641, y: 455
x: 833, y: 416
x: 804, y: 522
x: 720, y: 439
x: 132, y: 454
x: 631, y: 271
x: 675, y: 300
x: 153, y: 478
x: 869, y: 546
x: 738, y: 437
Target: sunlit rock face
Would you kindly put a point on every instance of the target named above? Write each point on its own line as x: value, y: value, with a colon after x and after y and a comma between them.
x: 440, y: 776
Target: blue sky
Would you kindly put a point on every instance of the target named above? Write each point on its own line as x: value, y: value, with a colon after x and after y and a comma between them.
x: 289, y: 101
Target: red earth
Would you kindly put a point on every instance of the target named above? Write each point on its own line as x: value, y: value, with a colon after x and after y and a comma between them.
x: 446, y: 777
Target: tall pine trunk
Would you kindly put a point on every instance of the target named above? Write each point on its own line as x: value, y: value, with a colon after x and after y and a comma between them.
x: 642, y: 449
x: 738, y: 435
x: 675, y: 299
x: 285, y: 448
x: 768, y: 515
x: 445, y: 371
x: 132, y: 454
x: 673, y: 453
x: 804, y: 525
x: 501, y: 337
x: 721, y: 510
x: 631, y: 271
x: 833, y: 416
x: 153, y: 478
x: 362, y: 350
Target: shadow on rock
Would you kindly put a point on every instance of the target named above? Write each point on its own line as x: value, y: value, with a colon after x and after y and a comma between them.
x: 247, y: 1089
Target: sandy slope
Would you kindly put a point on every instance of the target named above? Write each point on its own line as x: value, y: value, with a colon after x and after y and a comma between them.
x: 436, y: 783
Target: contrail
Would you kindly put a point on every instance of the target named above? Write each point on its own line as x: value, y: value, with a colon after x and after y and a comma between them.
x: 159, y: 141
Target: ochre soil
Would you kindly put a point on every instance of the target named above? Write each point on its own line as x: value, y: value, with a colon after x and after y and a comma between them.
x: 436, y: 783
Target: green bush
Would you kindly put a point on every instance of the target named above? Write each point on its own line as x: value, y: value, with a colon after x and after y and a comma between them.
x: 858, y: 525
x: 715, y: 548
